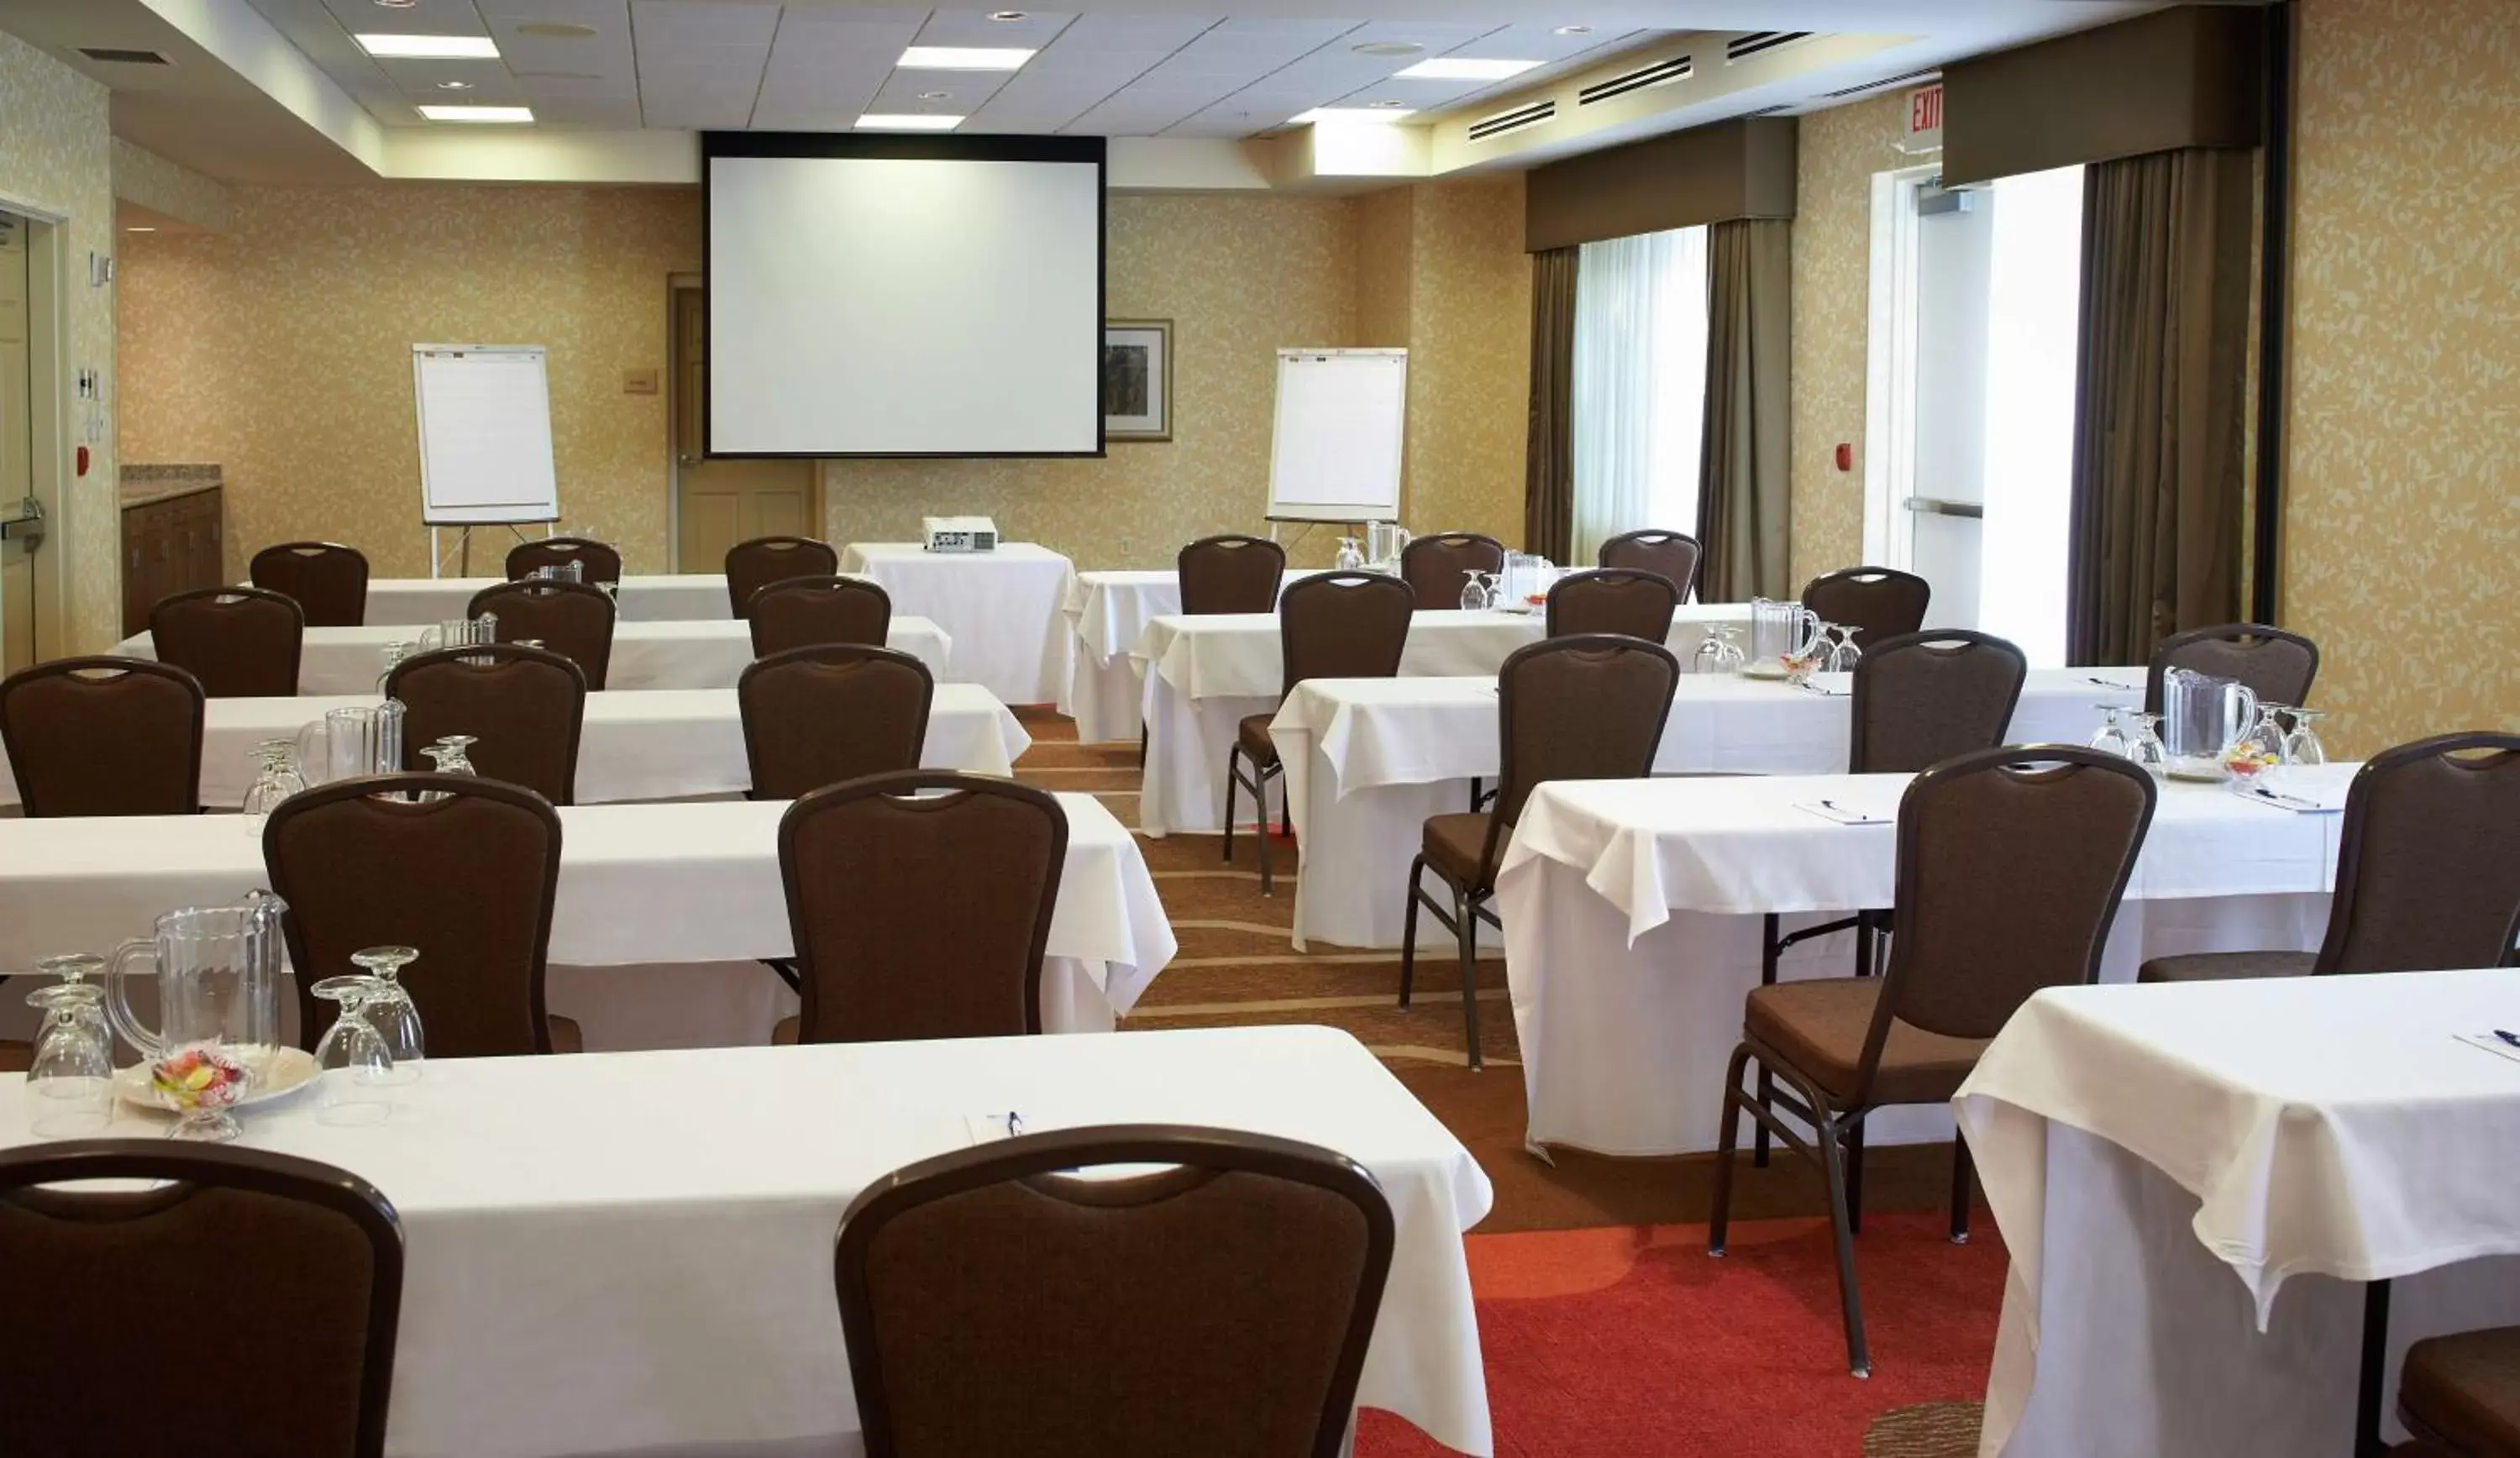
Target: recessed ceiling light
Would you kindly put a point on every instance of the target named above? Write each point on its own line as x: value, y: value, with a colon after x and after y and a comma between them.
x: 1009, y: 17
x: 963, y: 58
x: 1321, y: 114
x: 935, y: 96
x: 140, y: 228
x: 1388, y: 48
x: 1462, y: 68
x: 896, y: 121
x: 556, y: 30
x: 1388, y: 105
x: 454, y: 85
x: 396, y: 4
x: 429, y: 47
x: 517, y: 115
x: 1574, y: 29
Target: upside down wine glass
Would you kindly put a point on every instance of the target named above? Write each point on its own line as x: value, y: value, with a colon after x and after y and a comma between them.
x: 354, y: 1071
x: 391, y: 1011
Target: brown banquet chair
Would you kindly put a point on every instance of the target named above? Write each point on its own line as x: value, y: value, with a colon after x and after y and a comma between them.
x: 296, y: 1265
x: 602, y: 561
x: 2011, y: 864
x: 573, y: 619
x: 526, y: 708
x: 828, y: 713
x: 236, y: 643
x: 2279, y: 666
x: 2458, y: 1394
x: 468, y: 879
x: 755, y: 565
x: 104, y: 736
x: 1433, y: 565
x: 796, y: 612
x: 919, y: 914
x: 1674, y: 555
x: 1220, y: 1305
x: 1879, y: 604
x: 1230, y: 573
x: 1614, y: 599
x: 1587, y: 707
x: 328, y: 580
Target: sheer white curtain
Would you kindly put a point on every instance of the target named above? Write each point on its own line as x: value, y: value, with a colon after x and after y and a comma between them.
x: 1639, y: 386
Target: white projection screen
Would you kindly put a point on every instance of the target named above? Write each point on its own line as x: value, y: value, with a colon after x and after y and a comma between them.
x: 874, y: 295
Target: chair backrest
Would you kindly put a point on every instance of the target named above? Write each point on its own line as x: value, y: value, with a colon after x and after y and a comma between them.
x: 796, y: 612
x: 920, y: 916
x: 525, y: 709
x: 1614, y: 599
x: 602, y: 560
x: 328, y: 580
x: 1585, y: 707
x: 573, y: 619
x: 1230, y: 573
x: 239, y: 642
x: 2428, y: 864
x: 1219, y: 1307
x: 2279, y: 666
x: 1432, y: 567
x: 104, y: 736
x: 1924, y: 697
x: 1878, y: 603
x: 829, y: 713
x: 754, y: 565
x: 1343, y: 625
x: 467, y: 879
x: 1674, y: 555
x: 2011, y: 863
x: 302, y: 1265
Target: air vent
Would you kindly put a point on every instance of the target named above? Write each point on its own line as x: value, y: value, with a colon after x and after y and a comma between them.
x: 1910, y: 79
x: 1743, y: 47
x: 1677, y: 69
x: 122, y: 57
x: 1514, y: 120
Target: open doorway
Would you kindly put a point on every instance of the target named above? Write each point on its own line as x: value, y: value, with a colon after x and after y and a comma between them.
x: 720, y: 503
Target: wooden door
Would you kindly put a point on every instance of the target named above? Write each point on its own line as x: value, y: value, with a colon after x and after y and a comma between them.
x: 17, y: 445
x: 721, y: 503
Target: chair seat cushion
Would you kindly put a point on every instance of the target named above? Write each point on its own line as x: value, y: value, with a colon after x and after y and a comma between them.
x: 783, y: 1035
x: 1253, y: 736
x: 2465, y: 1388
x: 565, y: 1035
x: 2226, y: 966
x: 1453, y: 844
x: 14, y: 1056
x: 1820, y: 1027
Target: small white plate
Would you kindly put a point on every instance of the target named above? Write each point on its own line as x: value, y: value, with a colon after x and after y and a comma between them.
x: 1764, y: 668
x: 291, y: 1068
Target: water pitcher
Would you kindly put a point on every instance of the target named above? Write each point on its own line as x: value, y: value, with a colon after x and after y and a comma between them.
x: 353, y: 741
x: 218, y: 983
x: 2202, y: 716
x: 1779, y: 630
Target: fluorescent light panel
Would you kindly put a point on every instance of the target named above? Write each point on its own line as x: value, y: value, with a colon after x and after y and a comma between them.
x: 510, y: 115
x: 903, y: 121
x: 1463, y: 68
x: 430, y: 47
x: 1319, y: 114
x: 963, y: 58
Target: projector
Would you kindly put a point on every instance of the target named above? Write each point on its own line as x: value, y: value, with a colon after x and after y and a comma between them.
x: 962, y: 534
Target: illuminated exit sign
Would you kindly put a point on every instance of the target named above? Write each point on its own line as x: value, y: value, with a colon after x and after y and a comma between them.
x: 1925, y: 117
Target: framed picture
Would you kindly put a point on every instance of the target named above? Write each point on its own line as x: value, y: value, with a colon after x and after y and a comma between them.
x: 1137, y: 379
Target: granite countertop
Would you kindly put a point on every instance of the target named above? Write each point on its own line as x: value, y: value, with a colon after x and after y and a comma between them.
x: 142, y: 485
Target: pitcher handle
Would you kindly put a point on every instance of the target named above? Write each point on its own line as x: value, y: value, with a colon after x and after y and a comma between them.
x: 2247, y: 718
x: 314, y: 752
x: 117, y: 996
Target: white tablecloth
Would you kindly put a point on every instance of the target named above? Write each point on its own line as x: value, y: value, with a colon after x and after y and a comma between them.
x: 632, y: 1253
x: 640, y: 885
x: 1367, y: 760
x: 658, y: 598
x: 644, y: 655
x: 1003, y: 608
x: 2191, y: 1179
x: 1107, y: 612
x: 1633, y: 908
x: 654, y: 744
x: 1203, y: 676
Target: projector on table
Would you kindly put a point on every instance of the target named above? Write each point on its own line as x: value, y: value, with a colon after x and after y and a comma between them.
x: 961, y: 534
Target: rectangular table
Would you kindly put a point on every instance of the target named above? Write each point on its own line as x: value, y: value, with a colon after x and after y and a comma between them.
x: 646, y: 597
x: 2194, y: 1179
x: 650, y: 744
x: 1203, y: 676
x: 632, y: 1253
x: 1002, y: 607
x: 1633, y: 916
x: 1107, y: 612
x: 692, y: 886
x: 644, y: 655
x: 1367, y: 760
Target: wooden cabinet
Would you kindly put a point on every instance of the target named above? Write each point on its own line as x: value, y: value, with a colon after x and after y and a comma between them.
x: 170, y: 544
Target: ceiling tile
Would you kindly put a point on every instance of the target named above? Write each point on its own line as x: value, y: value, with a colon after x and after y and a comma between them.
x: 700, y: 22
x: 973, y: 27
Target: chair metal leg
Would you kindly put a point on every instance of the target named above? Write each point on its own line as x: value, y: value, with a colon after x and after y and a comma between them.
x: 1286, y: 812
x: 1408, y: 932
x: 1465, y: 926
x: 1833, y: 1157
x: 1855, y: 1176
x: 1964, y: 1182
x: 1726, y: 1135
x: 1231, y: 754
x: 1260, y: 828
x: 1767, y: 933
x: 1862, y: 943
x: 1474, y: 794
x: 786, y: 967
x: 2368, y: 1442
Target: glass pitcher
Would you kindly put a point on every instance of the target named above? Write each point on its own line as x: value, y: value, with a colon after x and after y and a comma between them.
x: 461, y: 632
x: 218, y: 1003
x: 1779, y: 631
x: 2201, y: 717
x: 349, y: 742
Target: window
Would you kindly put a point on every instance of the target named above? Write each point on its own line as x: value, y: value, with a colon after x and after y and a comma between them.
x: 1640, y: 385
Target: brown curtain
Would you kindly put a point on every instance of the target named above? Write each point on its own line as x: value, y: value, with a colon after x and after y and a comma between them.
x: 1744, y: 482
x: 1549, y: 459
x: 2158, y: 470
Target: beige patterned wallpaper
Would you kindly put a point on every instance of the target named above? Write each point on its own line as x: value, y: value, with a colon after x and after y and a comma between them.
x: 144, y: 177
x: 1470, y: 358
x: 2401, y: 519
x: 55, y: 159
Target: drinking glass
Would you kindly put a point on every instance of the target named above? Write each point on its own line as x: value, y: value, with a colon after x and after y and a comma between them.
x: 70, y: 1081
x: 394, y: 653
x: 1718, y: 653
x: 1474, y: 595
x: 449, y: 753
x: 2302, y: 746
x: 1843, y: 655
x: 276, y: 778
x: 74, y: 969
x: 2258, y: 750
x: 1349, y: 560
x: 389, y: 1009
x: 2112, y: 736
x: 2145, y: 746
x: 354, y: 1071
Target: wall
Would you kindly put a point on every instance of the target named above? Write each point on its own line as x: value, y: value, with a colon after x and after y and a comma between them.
x: 1469, y: 363
x: 55, y: 157
x: 2402, y: 509
x: 144, y: 177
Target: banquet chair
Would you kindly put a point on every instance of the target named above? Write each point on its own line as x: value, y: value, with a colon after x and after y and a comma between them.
x: 602, y: 560
x: 467, y: 878
x: 525, y: 709
x: 916, y: 914
x: 754, y: 565
x: 296, y: 1267
x: 239, y: 642
x: 573, y: 619
x: 1432, y: 567
x: 2459, y: 1395
x: 1331, y: 625
x: 1220, y: 1305
x: 104, y: 736
x: 1614, y: 599
x: 1672, y: 554
x: 1879, y: 604
x: 328, y: 581
x: 1230, y: 573
x: 2011, y: 864
x: 1586, y: 707
x: 2427, y: 869
x: 796, y: 612
x: 2279, y: 666
x: 828, y: 713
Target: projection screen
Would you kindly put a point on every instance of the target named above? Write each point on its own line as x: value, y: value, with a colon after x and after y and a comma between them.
x: 874, y: 295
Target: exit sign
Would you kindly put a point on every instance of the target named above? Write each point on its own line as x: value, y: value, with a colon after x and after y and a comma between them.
x: 1925, y: 116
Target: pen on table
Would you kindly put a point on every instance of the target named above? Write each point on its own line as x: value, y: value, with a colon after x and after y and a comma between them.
x: 1842, y: 810
x: 2110, y: 683
x: 2510, y: 1038
x: 1014, y: 1123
